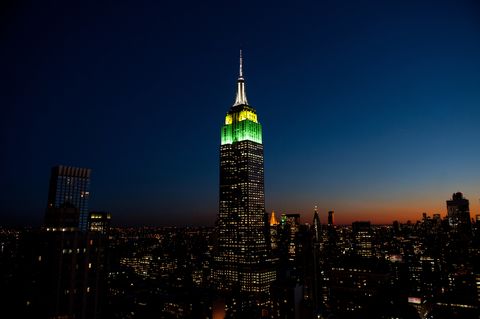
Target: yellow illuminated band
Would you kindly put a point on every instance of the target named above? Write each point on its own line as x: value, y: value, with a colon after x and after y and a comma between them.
x: 242, y: 116
x: 247, y: 115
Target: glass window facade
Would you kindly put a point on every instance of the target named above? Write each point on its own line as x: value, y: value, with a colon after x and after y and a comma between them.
x: 70, y: 187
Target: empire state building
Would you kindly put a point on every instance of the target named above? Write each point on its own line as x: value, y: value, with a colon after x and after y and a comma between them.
x: 242, y: 257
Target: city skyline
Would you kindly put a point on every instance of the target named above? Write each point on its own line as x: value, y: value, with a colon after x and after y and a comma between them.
x: 370, y: 115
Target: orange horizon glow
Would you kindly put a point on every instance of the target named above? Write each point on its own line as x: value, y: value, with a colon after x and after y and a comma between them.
x: 380, y: 213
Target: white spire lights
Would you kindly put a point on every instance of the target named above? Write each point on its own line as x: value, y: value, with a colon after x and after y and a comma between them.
x: 241, y: 98
x: 240, y: 73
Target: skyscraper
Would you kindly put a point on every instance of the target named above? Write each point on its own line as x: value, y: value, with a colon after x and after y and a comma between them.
x: 273, y: 219
x: 458, y: 213
x: 274, y: 236
x: 362, y: 239
x: 317, y: 236
x: 69, y: 188
x: 65, y: 264
x: 331, y: 219
x: 460, y: 234
x: 316, y: 226
x: 242, y: 254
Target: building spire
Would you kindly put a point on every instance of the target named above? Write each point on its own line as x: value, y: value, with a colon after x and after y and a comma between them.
x: 273, y: 219
x: 240, y: 74
x: 241, y: 98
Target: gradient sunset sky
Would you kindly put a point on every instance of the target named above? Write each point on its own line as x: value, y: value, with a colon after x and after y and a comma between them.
x: 369, y: 108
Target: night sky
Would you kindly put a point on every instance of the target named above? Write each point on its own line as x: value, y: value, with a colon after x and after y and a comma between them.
x: 369, y: 108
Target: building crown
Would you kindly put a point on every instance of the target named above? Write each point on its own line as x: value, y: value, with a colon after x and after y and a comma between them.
x: 273, y: 219
x: 241, y: 121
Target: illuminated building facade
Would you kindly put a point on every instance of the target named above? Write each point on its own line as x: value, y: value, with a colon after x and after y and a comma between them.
x: 292, y: 226
x: 99, y: 222
x: 70, y: 187
x: 242, y: 254
x: 273, y: 219
x: 362, y: 236
x: 274, y: 232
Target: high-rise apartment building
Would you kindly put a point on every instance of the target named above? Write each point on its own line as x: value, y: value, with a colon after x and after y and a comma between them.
x: 70, y: 188
x: 242, y: 254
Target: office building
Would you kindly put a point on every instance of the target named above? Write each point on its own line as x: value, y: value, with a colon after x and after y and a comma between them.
x: 70, y: 187
x: 362, y: 239
x: 99, y: 222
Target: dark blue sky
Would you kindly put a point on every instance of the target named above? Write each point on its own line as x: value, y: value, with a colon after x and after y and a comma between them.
x: 371, y: 108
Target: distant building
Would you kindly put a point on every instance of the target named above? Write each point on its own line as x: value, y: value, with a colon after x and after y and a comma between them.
x: 70, y: 187
x: 316, y: 226
x: 331, y: 219
x: 99, y: 222
x: 273, y: 219
x: 458, y: 212
x: 357, y: 288
x: 315, y: 267
x: 274, y: 236
x: 291, y: 226
x: 362, y: 238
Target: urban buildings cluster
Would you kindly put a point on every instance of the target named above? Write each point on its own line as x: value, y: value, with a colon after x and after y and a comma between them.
x: 422, y: 269
x: 252, y: 264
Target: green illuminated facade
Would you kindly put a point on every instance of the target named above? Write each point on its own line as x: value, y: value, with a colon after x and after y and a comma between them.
x: 241, y: 124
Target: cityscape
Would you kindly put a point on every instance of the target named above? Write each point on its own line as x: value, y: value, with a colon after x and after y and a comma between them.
x: 89, y: 257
